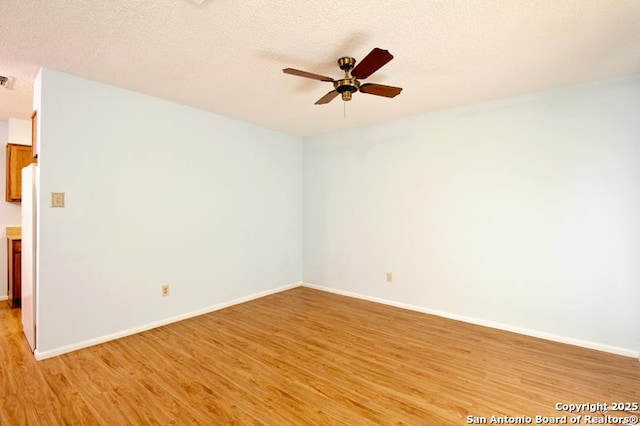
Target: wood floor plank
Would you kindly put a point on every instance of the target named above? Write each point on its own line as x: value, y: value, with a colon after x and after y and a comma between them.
x: 305, y: 357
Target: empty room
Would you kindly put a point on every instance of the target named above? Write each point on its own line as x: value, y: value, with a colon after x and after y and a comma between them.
x: 289, y: 213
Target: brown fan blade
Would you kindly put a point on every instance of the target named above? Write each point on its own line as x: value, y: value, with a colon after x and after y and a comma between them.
x: 305, y: 74
x: 327, y: 98
x: 371, y: 63
x: 380, y: 90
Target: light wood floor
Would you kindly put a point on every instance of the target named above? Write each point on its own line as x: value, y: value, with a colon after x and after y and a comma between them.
x: 305, y: 357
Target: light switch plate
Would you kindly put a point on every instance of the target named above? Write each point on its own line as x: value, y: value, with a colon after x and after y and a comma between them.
x: 57, y: 199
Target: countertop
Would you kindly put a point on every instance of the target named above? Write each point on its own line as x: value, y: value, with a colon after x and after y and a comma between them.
x: 14, y: 232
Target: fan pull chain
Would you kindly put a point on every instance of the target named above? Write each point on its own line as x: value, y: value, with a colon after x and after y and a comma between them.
x: 344, y: 110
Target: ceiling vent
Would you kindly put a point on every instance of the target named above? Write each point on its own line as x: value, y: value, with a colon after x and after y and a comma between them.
x: 7, y: 82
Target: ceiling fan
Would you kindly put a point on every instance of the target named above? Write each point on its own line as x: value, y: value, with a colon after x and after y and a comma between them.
x: 346, y: 86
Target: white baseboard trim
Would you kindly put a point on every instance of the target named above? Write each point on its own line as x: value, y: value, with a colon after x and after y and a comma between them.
x: 113, y: 336
x: 491, y: 324
x: 3, y: 298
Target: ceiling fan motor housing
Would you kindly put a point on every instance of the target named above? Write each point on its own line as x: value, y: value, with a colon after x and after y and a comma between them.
x: 348, y: 84
x: 346, y: 87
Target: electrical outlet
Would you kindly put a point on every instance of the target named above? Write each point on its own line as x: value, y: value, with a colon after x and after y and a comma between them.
x: 57, y: 199
x: 165, y: 290
x: 389, y: 277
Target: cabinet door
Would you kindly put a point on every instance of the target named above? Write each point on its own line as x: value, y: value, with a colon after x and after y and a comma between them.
x: 17, y: 274
x: 18, y: 156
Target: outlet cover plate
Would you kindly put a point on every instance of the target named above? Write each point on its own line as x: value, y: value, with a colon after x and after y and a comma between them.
x: 57, y: 199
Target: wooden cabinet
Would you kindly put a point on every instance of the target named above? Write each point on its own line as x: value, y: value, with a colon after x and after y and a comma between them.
x: 15, y: 272
x: 18, y: 156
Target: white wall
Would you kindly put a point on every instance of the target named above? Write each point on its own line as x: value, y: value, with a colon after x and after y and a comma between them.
x: 19, y: 131
x: 9, y: 212
x: 522, y: 212
x: 156, y: 193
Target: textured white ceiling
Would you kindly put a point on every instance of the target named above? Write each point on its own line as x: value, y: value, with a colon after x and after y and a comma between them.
x: 226, y: 56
